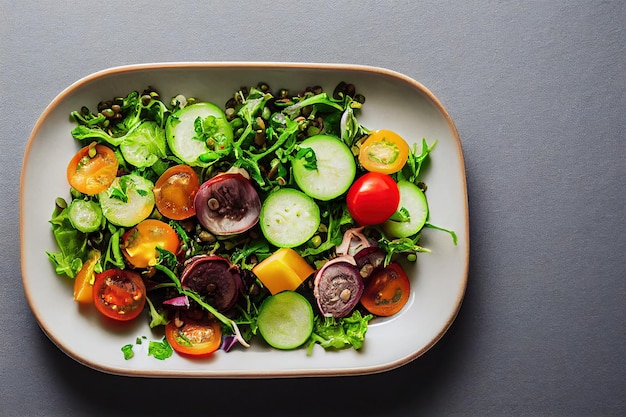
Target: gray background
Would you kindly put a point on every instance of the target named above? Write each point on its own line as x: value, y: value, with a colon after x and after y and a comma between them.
x: 537, y: 90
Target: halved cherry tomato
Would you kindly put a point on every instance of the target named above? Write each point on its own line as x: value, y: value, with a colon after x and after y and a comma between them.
x: 194, y: 338
x: 119, y: 294
x: 83, y: 283
x: 384, y: 151
x: 92, y: 169
x: 140, y: 242
x: 386, y: 291
x: 175, y: 190
x: 373, y: 198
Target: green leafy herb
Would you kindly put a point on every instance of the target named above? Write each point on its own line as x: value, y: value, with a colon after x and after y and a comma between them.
x: 120, y: 191
x: 401, y: 215
x: 113, y: 256
x: 71, y: 242
x: 450, y: 232
x: 332, y: 333
x: 308, y: 155
x: 400, y: 245
x: 156, y: 318
x: 127, y: 350
x: 160, y: 350
x: 411, y: 170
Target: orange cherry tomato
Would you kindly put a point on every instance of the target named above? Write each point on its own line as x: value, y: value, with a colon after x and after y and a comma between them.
x: 140, y: 243
x: 384, y: 151
x: 83, y: 283
x: 119, y: 294
x: 194, y: 338
x: 386, y: 291
x: 92, y: 169
x: 175, y: 190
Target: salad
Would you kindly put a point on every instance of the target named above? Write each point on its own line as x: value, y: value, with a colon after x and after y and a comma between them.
x: 276, y: 218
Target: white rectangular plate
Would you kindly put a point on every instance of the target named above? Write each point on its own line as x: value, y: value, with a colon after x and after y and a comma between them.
x: 393, y: 101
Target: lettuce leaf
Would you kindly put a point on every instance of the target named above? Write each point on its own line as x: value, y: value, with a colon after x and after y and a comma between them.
x: 72, y: 243
x: 332, y: 333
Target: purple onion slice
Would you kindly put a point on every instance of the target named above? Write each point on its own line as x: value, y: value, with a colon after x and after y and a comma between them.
x: 338, y: 287
x: 227, y: 204
x: 215, y: 278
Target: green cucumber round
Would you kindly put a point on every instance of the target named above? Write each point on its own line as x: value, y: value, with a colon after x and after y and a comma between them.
x: 413, y: 200
x: 128, y: 200
x: 85, y: 215
x: 289, y: 218
x: 331, y: 174
x: 285, y: 320
x: 194, y: 147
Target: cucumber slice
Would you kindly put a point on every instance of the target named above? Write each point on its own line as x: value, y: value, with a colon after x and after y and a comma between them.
x: 413, y: 200
x: 289, y: 218
x: 199, y: 144
x: 85, y: 215
x: 285, y: 320
x: 335, y: 170
x: 128, y: 200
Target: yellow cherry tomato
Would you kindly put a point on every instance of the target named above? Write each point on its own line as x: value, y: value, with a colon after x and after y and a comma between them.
x: 83, y: 283
x: 384, y: 151
x: 141, y: 241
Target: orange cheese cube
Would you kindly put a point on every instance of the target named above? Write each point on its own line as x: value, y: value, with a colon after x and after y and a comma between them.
x: 283, y: 270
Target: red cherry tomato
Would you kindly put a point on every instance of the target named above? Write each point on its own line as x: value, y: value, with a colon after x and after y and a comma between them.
x: 175, y: 191
x: 141, y: 241
x: 194, y: 338
x: 386, y: 291
x: 373, y: 198
x: 119, y: 294
x: 92, y: 169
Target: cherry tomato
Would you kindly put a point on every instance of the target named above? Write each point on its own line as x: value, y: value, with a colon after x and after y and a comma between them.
x: 386, y: 291
x: 83, y: 283
x: 92, y: 169
x: 119, y: 294
x: 140, y: 242
x: 175, y: 190
x: 384, y: 151
x: 194, y: 338
x: 373, y: 198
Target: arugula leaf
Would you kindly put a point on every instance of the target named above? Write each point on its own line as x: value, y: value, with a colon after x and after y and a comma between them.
x: 338, y: 216
x: 317, y: 99
x: 452, y: 234
x: 411, y: 170
x: 401, y: 245
x: 258, y: 247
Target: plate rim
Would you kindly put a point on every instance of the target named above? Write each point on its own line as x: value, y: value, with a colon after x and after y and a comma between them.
x: 251, y: 65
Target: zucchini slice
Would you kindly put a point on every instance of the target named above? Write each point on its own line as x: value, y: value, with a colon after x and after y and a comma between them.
x: 199, y: 134
x: 289, y: 218
x: 413, y: 200
x: 128, y: 200
x: 285, y: 320
x: 328, y: 171
x: 85, y: 215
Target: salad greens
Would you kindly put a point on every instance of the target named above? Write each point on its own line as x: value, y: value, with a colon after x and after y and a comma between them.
x: 258, y: 133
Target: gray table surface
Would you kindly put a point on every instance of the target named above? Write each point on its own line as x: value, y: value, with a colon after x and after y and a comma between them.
x: 537, y: 90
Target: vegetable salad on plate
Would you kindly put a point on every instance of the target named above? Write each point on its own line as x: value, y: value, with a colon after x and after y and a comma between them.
x: 276, y: 218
